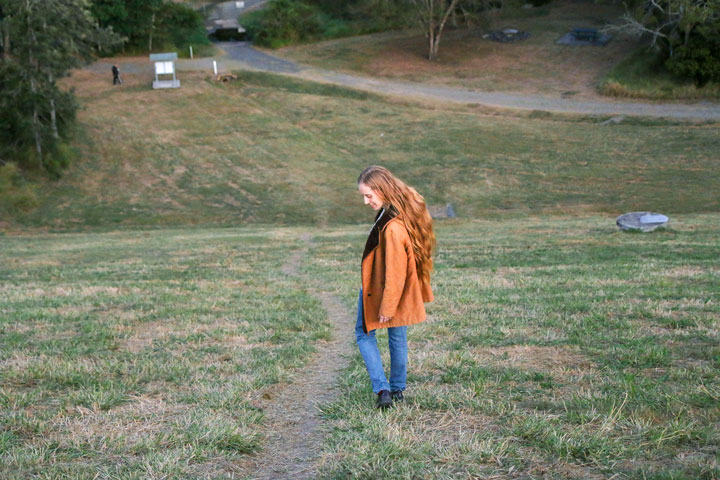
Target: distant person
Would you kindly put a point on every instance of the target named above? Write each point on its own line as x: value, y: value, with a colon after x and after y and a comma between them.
x: 396, y: 266
x: 116, y: 75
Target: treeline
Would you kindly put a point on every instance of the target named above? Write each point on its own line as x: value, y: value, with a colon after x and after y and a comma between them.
x: 284, y: 22
x: 41, y: 41
x: 150, y: 25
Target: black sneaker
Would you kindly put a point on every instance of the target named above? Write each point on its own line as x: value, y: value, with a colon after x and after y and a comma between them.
x: 397, y: 396
x: 383, y: 399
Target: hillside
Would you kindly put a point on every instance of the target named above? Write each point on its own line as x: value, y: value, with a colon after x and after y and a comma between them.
x: 269, y: 149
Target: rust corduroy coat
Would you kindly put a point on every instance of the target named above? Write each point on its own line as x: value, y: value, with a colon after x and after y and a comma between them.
x: 390, y: 283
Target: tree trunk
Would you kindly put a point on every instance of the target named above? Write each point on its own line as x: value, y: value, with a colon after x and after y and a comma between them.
x: 152, y: 27
x: 36, y: 131
x: 53, y: 116
x: 435, y: 27
x: 6, y: 39
x: 432, y: 49
x: 434, y: 45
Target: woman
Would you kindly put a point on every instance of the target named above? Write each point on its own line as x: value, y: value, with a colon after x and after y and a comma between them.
x: 396, y: 267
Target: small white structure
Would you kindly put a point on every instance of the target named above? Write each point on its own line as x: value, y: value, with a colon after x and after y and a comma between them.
x: 165, y: 66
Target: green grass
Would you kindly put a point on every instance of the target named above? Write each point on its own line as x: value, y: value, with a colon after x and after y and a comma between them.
x: 143, y: 354
x: 274, y: 150
x: 555, y: 345
x: 642, y: 76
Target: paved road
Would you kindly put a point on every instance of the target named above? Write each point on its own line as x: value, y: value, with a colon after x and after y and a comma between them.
x: 701, y: 111
x: 244, y: 53
x: 241, y: 55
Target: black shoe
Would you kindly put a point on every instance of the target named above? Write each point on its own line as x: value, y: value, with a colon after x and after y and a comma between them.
x: 383, y: 399
x: 397, y: 396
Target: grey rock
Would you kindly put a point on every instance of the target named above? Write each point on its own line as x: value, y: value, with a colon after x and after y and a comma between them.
x: 641, y: 221
x: 449, y: 211
x: 614, y: 120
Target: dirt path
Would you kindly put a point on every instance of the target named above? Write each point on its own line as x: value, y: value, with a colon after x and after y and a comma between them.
x: 292, y: 414
x: 700, y: 111
x: 241, y: 55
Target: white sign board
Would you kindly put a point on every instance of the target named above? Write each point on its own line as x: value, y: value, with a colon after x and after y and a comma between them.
x: 162, y: 68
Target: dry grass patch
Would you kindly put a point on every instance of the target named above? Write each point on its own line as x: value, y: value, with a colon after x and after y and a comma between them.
x: 565, y: 359
x: 536, y: 65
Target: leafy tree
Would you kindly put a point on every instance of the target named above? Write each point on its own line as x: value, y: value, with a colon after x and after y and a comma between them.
x: 134, y: 20
x: 43, y: 40
x: 180, y: 25
x: 282, y: 22
x: 146, y: 25
x: 699, y: 57
x: 684, y: 32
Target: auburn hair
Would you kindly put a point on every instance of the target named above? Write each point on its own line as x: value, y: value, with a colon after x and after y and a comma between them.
x: 411, y: 209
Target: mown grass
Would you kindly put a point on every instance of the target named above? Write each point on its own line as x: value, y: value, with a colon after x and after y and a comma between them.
x: 275, y: 150
x: 145, y: 354
x: 556, y: 348
x: 536, y: 65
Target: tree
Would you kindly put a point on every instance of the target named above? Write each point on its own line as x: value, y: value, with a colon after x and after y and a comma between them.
x: 147, y: 25
x: 683, y: 32
x: 433, y: 15
x: 135, y: 20
x: 43, y: 40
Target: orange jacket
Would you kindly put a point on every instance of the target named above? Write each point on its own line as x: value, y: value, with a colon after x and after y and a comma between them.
x: 390, y: 283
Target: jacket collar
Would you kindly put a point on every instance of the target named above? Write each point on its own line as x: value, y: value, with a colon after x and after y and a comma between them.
x: 381, y: 219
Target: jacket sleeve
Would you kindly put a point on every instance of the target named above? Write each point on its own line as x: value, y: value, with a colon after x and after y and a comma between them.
x: 396, y: 258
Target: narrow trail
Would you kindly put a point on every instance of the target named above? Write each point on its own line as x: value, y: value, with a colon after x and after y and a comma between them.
x: 242, y: 56
x: 292, y: 411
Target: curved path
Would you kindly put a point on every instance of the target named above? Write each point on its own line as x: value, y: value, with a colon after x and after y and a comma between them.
x: 244, y: 55
x: 241, y: 55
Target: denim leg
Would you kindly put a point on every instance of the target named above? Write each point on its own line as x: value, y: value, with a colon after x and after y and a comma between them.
x: 397, y: 340
x: 367, y: 343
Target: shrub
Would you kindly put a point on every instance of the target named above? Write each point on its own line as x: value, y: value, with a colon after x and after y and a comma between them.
x: 16, y: 194
x: 283, y: 22
x: 699, y: 58
x: 182, y: 26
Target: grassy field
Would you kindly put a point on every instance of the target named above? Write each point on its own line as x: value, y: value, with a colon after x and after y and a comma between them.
x: 272, y: 150
x: 145, y: 312
x: 557, y: 348
x: 536, y: 65
x: 144, y: 354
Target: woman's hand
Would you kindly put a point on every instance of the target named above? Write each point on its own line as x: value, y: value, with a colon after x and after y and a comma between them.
x: 384, y: 319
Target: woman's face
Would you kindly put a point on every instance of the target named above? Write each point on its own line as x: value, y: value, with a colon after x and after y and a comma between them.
x: 370, y: 196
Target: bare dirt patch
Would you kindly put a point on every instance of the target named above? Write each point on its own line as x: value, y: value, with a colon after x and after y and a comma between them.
x: 536, y: 357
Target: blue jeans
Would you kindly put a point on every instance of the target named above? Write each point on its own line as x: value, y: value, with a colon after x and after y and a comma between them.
x: 367, y: 343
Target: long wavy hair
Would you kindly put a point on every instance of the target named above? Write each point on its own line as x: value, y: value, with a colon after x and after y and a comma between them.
x: 411, y: 209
